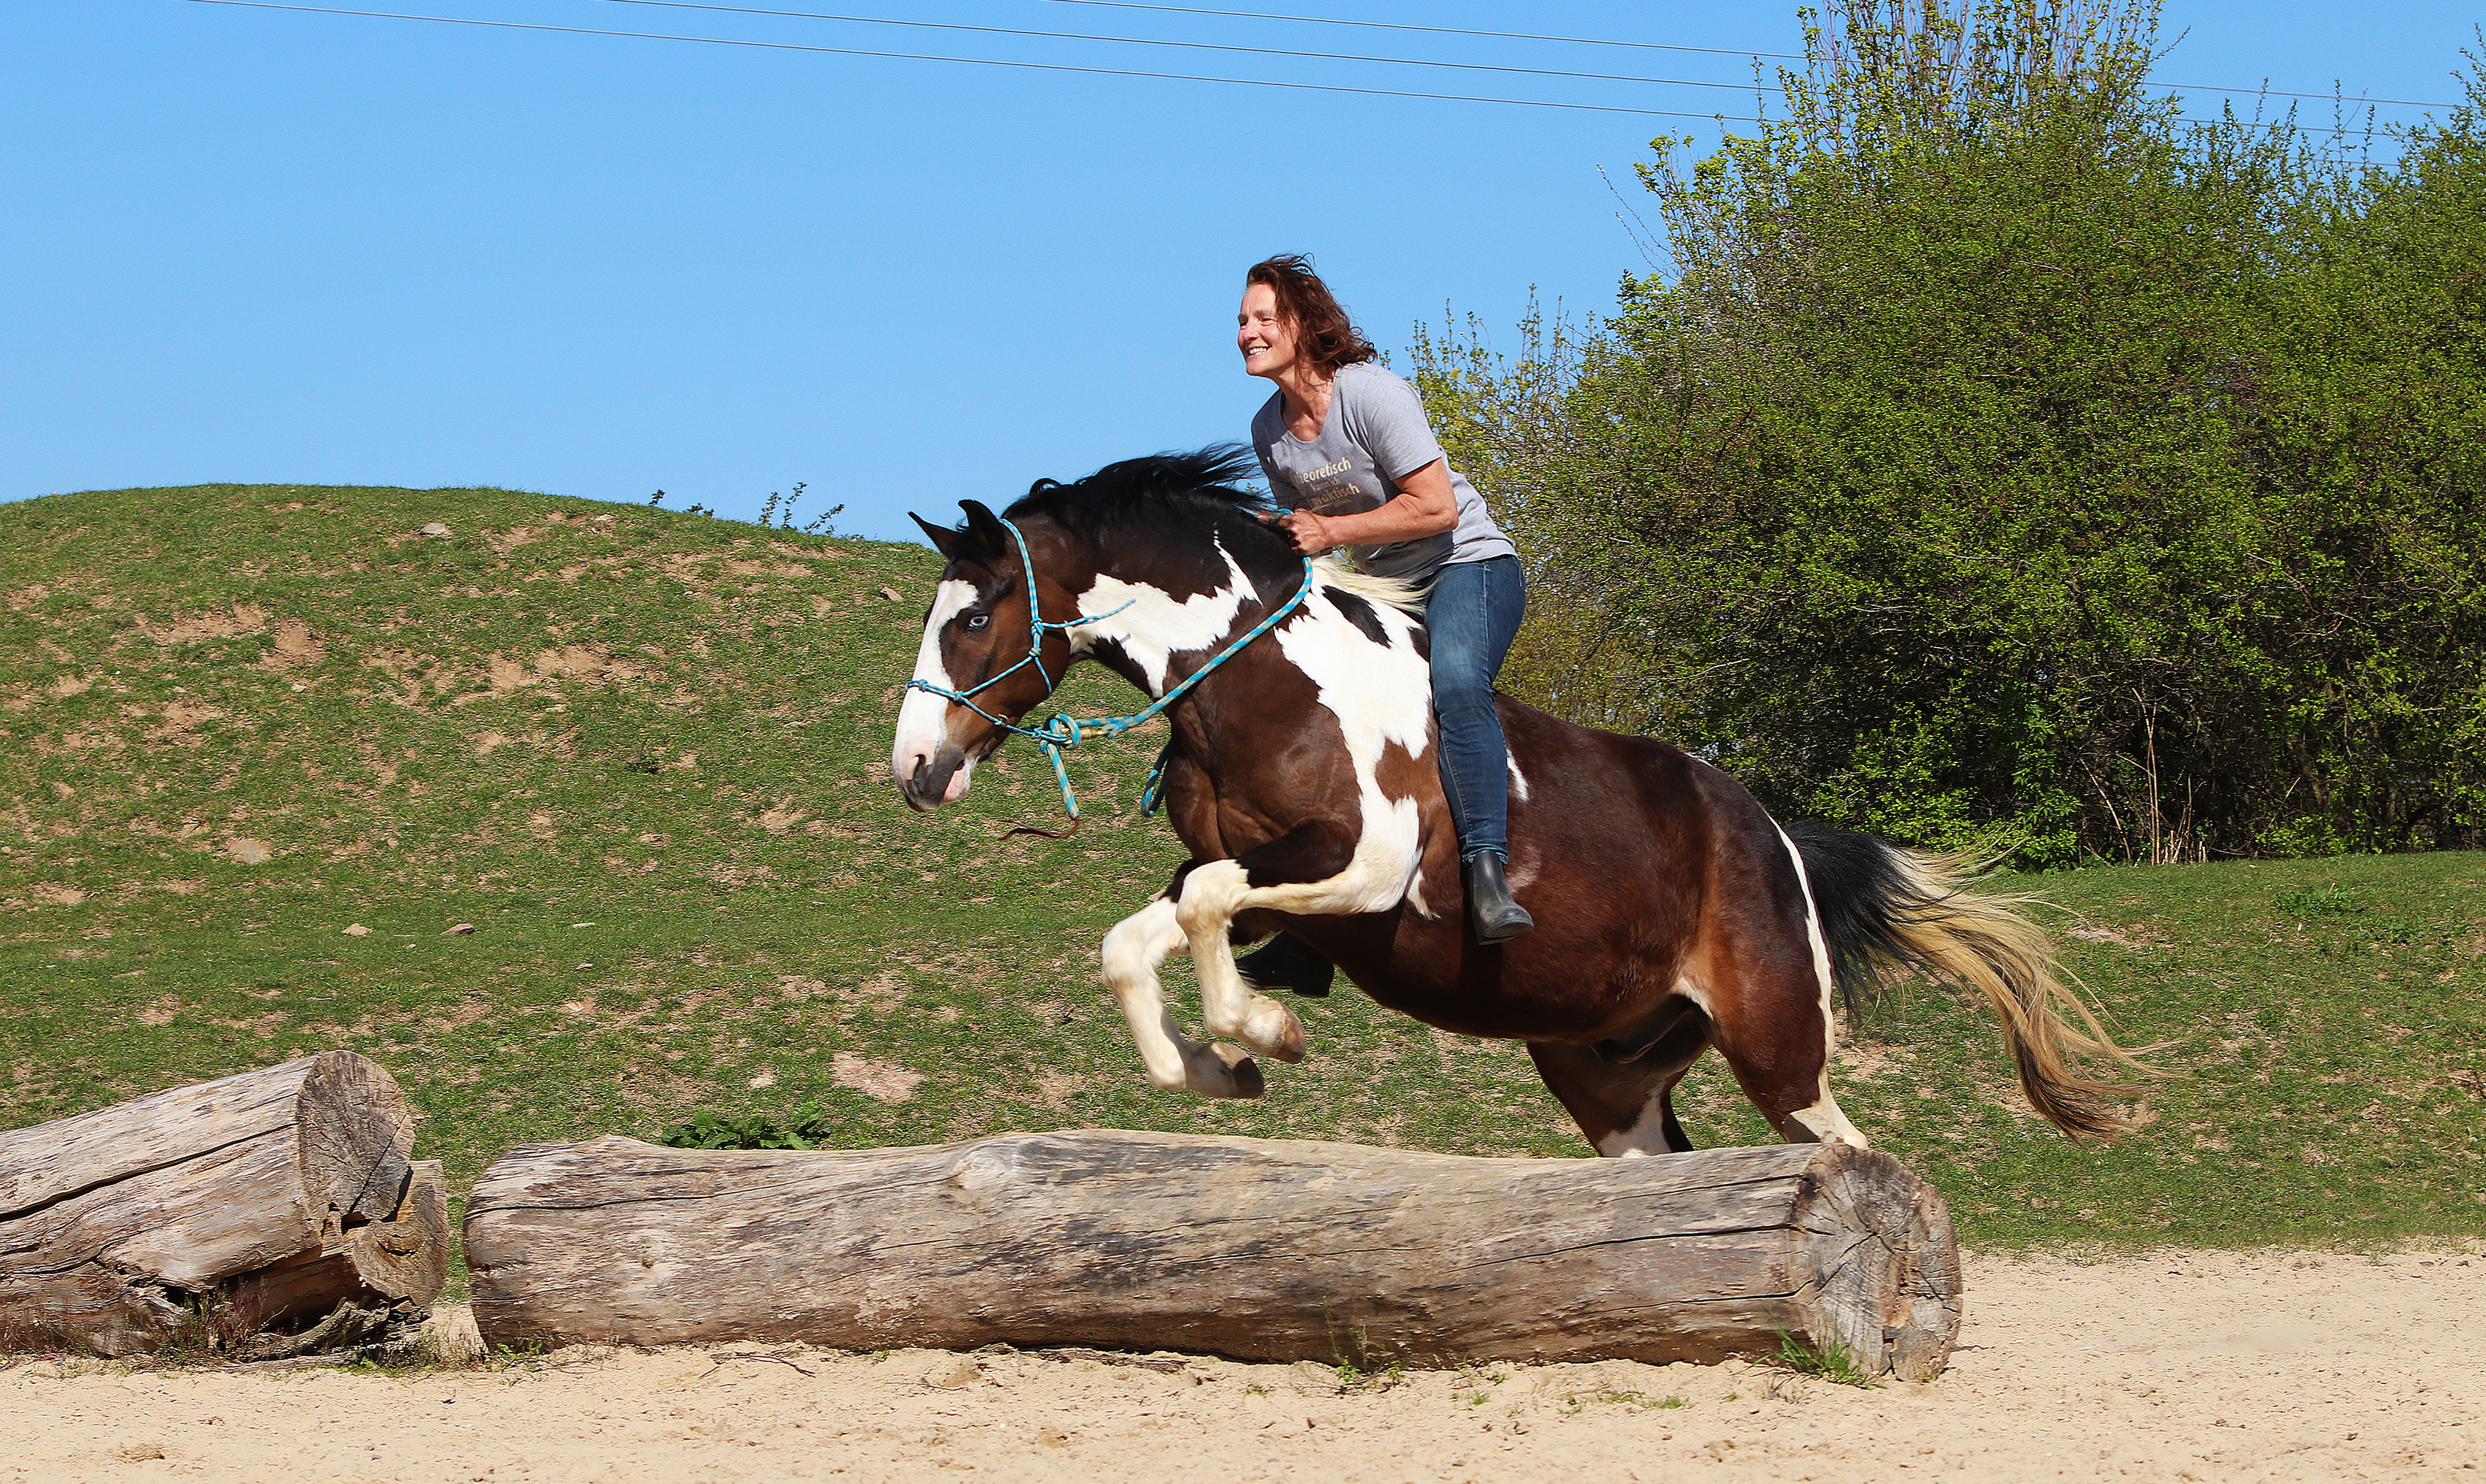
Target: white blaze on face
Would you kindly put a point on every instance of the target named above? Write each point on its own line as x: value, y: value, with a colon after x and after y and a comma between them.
x: 1155, y: 627
x: 923, y: 718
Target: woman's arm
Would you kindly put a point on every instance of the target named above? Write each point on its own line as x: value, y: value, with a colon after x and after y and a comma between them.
x: 1423, y: 505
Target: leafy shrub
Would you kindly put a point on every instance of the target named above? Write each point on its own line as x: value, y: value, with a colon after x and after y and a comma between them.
x: 2005, y: 448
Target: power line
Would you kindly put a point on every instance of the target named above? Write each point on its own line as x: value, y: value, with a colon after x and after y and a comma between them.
x: 1040, y: 67
x: 2203, y: 87
x: 1340, y: 56
x: 1593, y: 41
x: 1135, y: 40
x: 1385, y: 25
x: 1104, y: 71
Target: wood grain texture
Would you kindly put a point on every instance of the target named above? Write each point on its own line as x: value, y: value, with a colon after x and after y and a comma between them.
x: 1254, y: 1249
x: 268, y: 1213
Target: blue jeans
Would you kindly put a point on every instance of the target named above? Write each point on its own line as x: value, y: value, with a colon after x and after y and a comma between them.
x: 1473, y: 614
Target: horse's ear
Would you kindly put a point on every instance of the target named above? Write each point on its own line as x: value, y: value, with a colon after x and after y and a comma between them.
x: 985, y: 527
x: 944, y: 540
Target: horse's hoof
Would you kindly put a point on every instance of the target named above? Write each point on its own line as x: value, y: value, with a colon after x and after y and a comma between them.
x: 1290, y: 1046
x: 1246, y: 1072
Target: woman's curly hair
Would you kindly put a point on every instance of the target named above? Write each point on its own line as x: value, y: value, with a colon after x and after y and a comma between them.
x: 1325, y: 335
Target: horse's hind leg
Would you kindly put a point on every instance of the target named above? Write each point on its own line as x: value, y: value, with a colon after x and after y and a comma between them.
x: 1625, y: 1108
x: 1773, y: 1026
x: 1760, y: 967
x: 1133, y: 949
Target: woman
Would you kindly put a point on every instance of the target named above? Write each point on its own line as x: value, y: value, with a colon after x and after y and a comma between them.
x: 1348, y: 451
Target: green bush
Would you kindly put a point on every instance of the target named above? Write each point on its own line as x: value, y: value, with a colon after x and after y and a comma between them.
x: 2004, y: 452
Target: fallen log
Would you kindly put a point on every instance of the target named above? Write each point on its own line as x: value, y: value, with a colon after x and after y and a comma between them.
x: 269, y: 1214
x: 1271, y: 1249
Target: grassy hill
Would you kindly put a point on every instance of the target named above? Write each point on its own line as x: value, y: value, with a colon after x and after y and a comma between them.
x: 643, y: 755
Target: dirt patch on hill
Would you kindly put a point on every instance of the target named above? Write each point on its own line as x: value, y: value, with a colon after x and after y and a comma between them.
x: 2204, y: 1367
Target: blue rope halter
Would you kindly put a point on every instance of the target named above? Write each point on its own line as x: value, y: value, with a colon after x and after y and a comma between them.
x: 1063, y: 732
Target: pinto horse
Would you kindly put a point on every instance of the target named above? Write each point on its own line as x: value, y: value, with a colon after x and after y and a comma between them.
x: 1673, y: 914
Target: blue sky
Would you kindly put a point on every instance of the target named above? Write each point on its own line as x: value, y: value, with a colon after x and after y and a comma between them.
x: 257, y: 245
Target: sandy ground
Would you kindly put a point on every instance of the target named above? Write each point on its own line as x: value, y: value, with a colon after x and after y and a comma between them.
x: 2185, y: 1365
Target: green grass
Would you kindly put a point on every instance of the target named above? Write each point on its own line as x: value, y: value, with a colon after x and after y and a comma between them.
x: 1832, y: 1362
x: 672, y: 729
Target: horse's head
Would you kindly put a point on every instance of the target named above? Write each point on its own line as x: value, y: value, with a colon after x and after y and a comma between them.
x: 1147, y: 545
x: 976, y: 646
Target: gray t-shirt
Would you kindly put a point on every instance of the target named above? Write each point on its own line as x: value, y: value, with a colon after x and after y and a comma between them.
x: 1376, y: 435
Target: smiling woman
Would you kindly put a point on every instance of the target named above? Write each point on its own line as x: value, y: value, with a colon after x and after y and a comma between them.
x: 1347, y: 449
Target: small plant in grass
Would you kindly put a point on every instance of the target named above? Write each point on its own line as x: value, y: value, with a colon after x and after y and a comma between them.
x: 778, y: 514
x: 415, y: 1360
x: 809, y: 1128
x: 2330, y: 901
x: 213, y: 1330
x: 1829, y: 1360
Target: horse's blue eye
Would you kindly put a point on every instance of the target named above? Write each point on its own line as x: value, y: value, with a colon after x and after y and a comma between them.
x: 979, y: 620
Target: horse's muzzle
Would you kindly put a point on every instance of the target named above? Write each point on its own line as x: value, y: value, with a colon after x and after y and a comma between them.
x: 938, y: 779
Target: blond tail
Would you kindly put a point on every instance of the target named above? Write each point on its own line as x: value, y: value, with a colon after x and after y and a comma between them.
x: 1888, y: 905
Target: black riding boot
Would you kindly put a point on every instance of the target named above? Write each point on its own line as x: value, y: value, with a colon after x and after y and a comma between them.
x: 1290, y: 962
x: 1491, y: 911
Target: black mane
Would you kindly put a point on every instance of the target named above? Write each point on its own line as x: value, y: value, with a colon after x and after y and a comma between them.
x: 1193, y: 491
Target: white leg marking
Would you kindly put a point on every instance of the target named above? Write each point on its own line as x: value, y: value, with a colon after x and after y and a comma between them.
x: 1375, y: 879
x: 1822, y: 1120
x: 1211, y: 895
x: 1132, y: 952
x: 1644, y: 1138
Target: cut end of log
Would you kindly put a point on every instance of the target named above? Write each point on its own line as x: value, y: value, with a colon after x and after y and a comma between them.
x: 355, y: 1133
x: 1878, y: 1250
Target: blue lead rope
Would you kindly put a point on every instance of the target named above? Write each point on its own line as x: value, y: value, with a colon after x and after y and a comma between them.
x: 1061, y: 731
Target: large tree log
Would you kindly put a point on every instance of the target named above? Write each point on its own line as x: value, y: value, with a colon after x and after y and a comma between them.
x: 267, y: 1214
x: 1256, y: 1249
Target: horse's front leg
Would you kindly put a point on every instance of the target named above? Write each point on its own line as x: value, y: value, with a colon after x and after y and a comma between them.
x: 1133, y: 949
x: 1309, y: 870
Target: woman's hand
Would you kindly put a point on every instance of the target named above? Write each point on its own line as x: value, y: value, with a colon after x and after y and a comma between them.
x: 1309, y: 532
x: 1424, y: 506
